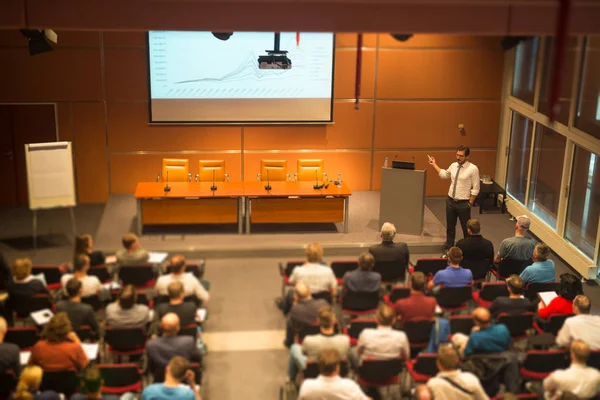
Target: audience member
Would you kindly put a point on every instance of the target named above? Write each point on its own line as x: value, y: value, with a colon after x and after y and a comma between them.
x: 125, y: 312
x: 486, y: 337
x: 160, y: 350
x: 84, y: 245
x: 542, y: 270
x: 4, y: 273
x: 60, y: 348
x: 329, y: 385
x: 313, y: 344
x: 583, y: 326
x: 23, y: 283
x: 570, y: 287
x: 383, y: 342
x: 79, y: 313
x: 454, y: 275
x: 422, y: 392
x: 518, y: 247
x: 132, y: 254
x: 478, y: 252
x: 185, y: 310
x: 388, y: 251
x: 451, y: 383
x: 179, y: 383
x: 515, y: 303
x: 417, y: 305
x: 9, y: 352
x: 303, y: 313
x: 91, y: 284
x: 28, y: 387
x: 579, y: 379
x: 191, y: 285
x: 91, y: 387
x: 363, y: 279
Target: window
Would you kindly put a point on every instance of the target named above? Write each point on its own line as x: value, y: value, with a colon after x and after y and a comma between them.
x: 584, y: 202
x: 588, y: 107
x: 518, y: 156
x: 523, y: 86
x: 564, y: 99
x: 546, y: 173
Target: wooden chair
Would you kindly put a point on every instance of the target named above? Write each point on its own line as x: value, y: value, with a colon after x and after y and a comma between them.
x: 176, y: 170
x: 310, y: 170
x: 206, y: 168
x: 277, y: 170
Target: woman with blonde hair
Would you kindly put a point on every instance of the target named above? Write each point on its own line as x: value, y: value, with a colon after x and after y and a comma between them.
x: 23, y: 284
x: 28, y: 387
x: 84, y: 245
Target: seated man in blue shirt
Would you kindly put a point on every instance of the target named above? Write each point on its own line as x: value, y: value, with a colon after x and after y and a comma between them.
x: 454, y: 275
x: 485, y: 336
x: 542, y: 270
x: 179, y: 384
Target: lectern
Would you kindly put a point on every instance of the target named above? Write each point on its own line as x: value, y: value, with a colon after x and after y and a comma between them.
x: 402, y: 200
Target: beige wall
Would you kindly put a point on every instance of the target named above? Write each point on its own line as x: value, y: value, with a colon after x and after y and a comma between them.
x: 414, y: 94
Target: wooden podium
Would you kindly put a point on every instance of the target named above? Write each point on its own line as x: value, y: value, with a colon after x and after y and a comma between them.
x: 402, y: 200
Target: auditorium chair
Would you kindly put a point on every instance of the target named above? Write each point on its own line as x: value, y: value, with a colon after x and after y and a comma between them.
x: 65, y: 382
x: 533, y: 288
x: 508, y: 267
x: 376, y: 373
x: 422, y: 368
x: 453, y: 299
x: 360, y: 303
x: 8, y: 383
x: 125, y: 341
x: 176, y: 170
x: 206, y: 169
x: 391, y: 271
x: 310, y: 170
x: 397, y: 293
x: 86, y: 334
x: 52, y: 274
x: 94, y: 301
x: 341, y: 267
x: 22, y: 306
x: 552, y: 325
x: 461, y: 324
x: 356, y: 326
x: 488, y: 293
x: 141, y: 277
x: 429, y: 266
x: 517, y: 324
x: 100, y: 272
x: 118, y: 379
x: 23, y: 336
x: 418, y: 333
x: 480, y: 269
x: 311, y: 370
x: 142, y: 297
x: 538, y: 364
x: 277, y: 170
x: 313, y: 329
x: 594, y: 360
x: 285, y: 270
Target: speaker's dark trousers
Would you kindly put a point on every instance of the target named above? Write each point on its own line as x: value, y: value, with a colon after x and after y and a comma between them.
x: 456, y: 209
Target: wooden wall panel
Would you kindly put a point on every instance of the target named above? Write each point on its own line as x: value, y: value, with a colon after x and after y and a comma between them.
x: 62, y: 75
x: 345, y: 74
x: 126, y: 170
x: 90, y: 152
x: 351, y: 130
x: 65, y: 121
x: 484, y: 159
x: 448, y: 74
x: 350, y: 40
x: 125, y: 39
x: 12, y: 37
x: 441, y: 41
x: 410, y: 125
x: 128, y: 130
x: 354, y: 166
x: 126, y: 72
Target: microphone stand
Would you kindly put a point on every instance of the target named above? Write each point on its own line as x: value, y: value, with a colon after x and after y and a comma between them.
x: 167, y: 188
x: 316, y: 186
x: 268, y: 185
x: 213, y: 187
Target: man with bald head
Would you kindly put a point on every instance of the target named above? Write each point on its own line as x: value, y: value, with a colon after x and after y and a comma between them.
x: 160, y: 350
x: 304, y: 312
x: 486, y: 337
x: 191, y: 285
x: 582, y: 326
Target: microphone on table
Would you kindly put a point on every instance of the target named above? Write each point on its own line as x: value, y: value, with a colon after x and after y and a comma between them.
x: 268, y: 185
x: 213, y: 187
x: 167, y: 188
x: 316, y: 185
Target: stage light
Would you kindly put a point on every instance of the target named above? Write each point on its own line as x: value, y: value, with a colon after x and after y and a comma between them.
x: 222, y: 35
x: 39, y: 40
x: 401, y: 37
x: 513, y: 41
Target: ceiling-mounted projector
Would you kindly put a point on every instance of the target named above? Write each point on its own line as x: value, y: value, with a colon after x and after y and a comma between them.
x: 275, y: 59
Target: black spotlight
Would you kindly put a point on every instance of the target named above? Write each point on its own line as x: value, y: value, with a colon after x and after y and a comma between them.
x: 39, y: 41
x: 222, y: 35
x: 508, y: 42
x: 401, y: 37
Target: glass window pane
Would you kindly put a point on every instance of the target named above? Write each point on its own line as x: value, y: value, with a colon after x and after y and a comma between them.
x: 546, y: 173
x: 588, y: 108
x: 584, y: 202
x: 523, y: 86
x: 564, y: 99
x: 518, y: 156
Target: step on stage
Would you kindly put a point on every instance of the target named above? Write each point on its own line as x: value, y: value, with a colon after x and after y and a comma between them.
x: 223, y: 240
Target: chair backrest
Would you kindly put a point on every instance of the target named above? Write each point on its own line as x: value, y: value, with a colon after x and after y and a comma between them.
x: 479, y: 268
x: 51, y: 273
x: 399, y: 292
x: 461, y: 324
x: 100, y: 272
x: 25, y: 305
x: 290, y: 265
x: 93, y: 301
x: 312, y: 369
x: 207, y: 167
x: 491, y: 290
x: 426, y: 364
x: 517, y: 324
x: 510, y: 266
x: 142, y: 297
x: 120, y: 378
x: 556, y: 322
x: 23, y: 336
x: 341, y: 267
x: 534, y: 288
x: 360, y: 301
x: 418, y: 331
x: 277, y: 170
x: 357, y: 325
x: 189, y: 330
x: 323, y: 296
x: 86, y: 334
x: 137, y: 276
x: 8, y: 383
x: 125, y: 338
x: 594, y: 360
x: 66, y: 382
x: 372, y: 370
x: 429, y: 266
x: 453, y: 296
x: 391, y: 271
x: 545, y: 361
x: 178, y: 169
x: 310, y: 170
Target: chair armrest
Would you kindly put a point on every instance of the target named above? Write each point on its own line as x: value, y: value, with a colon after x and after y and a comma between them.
x: 158, y: 177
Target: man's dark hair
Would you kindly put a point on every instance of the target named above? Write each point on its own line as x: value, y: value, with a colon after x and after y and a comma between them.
x: 464, y: 148
x: 73, y: 287
x: 570, y: 286
x: 418, y: 281
x: 127, y: 297
x: 474, y: 226
x: 80, y: 261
